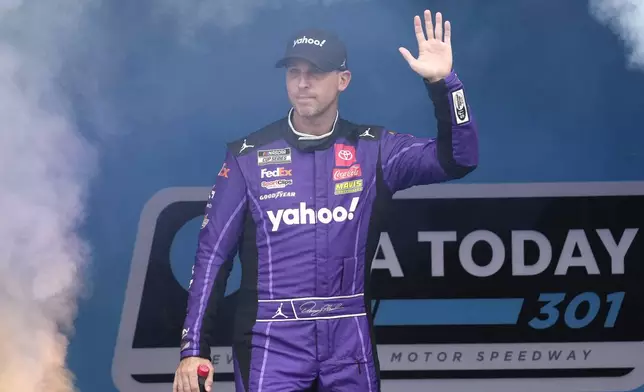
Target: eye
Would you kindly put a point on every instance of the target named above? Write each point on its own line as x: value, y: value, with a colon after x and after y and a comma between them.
x: 316, y: 74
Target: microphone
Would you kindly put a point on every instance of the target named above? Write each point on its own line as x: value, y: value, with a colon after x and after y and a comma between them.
x: 202, y: 373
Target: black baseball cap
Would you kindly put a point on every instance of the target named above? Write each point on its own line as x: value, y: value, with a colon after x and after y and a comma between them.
x: 322, y: 48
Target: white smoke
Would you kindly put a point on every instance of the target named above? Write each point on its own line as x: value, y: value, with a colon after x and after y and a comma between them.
x: 192, y: 15
x: 626, y: 19
x: 45, y: 167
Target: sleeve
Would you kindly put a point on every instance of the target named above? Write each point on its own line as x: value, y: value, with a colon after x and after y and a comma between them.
x: 408, y: 161
x: 217, y: 244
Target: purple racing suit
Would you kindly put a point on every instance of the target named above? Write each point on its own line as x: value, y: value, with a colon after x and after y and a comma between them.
x: 304, y: 217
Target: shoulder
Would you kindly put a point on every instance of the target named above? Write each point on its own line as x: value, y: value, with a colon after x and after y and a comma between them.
x: 258, y: 138
x: 362, y: 132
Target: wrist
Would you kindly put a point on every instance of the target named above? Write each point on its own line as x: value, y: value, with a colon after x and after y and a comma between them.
x: 447, y: 78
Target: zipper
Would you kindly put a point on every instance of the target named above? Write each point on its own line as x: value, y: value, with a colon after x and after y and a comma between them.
x: 359, y: 370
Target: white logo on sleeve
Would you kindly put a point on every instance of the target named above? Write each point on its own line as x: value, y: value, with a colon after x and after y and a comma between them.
x: 304, y: 215
x: 460, y: 107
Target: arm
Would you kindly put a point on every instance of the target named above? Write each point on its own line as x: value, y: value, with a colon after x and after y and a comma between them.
x: 408, y: 161
x: 217, y: 243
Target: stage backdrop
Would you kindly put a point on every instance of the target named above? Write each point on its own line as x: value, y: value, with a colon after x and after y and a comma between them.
x: 522, y: 277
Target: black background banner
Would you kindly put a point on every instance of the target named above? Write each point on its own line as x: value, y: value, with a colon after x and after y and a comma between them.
x: 163, y: 302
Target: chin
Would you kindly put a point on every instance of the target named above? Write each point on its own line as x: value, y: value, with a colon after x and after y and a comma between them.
x: 307, y: 111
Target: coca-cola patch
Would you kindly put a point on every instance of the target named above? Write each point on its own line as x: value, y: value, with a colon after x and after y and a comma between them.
x: 345, y: 174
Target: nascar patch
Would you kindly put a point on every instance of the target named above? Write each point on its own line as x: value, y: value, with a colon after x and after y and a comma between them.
x: 276, y: 156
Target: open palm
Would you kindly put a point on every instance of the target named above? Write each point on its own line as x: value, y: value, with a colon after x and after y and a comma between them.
x: 434, y: 60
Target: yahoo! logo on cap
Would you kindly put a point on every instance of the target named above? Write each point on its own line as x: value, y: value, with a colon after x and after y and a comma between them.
x: 305, y: 40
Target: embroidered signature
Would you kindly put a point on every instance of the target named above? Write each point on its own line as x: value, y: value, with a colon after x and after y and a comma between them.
x: 310, y: 308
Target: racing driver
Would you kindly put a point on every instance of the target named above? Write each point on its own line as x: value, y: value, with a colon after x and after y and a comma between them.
x: 299, y: 199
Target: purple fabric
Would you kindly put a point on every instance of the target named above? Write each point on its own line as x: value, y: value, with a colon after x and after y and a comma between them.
x: 310, y: 213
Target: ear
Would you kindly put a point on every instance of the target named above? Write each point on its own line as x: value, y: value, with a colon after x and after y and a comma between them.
x: 345, y: 78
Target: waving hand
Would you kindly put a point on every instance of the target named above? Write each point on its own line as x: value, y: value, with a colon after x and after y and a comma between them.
x: 434, y: 60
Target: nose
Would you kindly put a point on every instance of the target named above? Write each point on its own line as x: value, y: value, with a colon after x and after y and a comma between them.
x: 303, y: 81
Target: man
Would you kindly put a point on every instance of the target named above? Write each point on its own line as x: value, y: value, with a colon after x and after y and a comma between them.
x: 300, y: 199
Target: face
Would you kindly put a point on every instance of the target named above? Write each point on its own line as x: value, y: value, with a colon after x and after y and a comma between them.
x: 311, y: 91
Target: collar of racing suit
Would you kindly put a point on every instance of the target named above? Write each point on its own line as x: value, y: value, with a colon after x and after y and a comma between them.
x: 310, y: 143
x: 306, y: 136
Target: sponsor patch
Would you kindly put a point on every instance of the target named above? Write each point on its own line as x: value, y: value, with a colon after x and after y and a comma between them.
x: 460, y: 107
x: 279, y: 172
x: 277, y: 195
x: 345, y: 174
x: 345, y: 156
x: 352, y: 186
x: 275, y: 184
x: 276, y: 156
x: 224, y: 171
x: 308, y: 216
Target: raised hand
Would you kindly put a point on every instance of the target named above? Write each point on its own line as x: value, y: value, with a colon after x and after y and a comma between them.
x: 434, y: 60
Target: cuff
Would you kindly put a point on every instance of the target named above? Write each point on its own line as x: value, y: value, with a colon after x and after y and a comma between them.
x: 194, y: 353
x: 439, y: 89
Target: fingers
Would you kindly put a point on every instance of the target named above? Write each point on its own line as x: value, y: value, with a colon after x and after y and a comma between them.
x: 420, y: 35
x: 428, y: 24
x: 433, y: 32
x: 209, y: 380
x: 186, y: 377
x: 438, y: 33
x: 194, y: 382
x: 185, y: 384
x: 406, y: 54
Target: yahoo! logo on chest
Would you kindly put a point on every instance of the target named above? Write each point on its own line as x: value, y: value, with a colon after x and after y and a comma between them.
x: 309, y: 216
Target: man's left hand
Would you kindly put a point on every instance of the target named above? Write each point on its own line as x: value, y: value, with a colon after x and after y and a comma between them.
x: 434, y: 60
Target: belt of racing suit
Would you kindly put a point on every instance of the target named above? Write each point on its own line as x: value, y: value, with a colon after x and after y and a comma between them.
x: 310, y: 308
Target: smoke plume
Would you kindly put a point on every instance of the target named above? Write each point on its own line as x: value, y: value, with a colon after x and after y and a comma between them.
x: 192, y: 15
x: 45, y: 167
x: 626, y: 19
